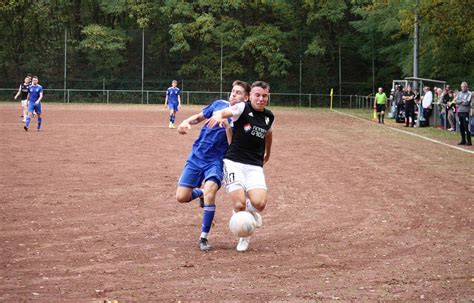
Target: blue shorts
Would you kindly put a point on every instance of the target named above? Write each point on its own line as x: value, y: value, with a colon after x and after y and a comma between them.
x: 194, y: 174
x: 32, y: 107
x: 173, y: 106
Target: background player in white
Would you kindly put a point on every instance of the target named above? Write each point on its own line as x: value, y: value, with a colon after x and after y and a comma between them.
x: 204, y: 163
x: 250, y: 149
x: 23, y: 91
x: 173, y: 100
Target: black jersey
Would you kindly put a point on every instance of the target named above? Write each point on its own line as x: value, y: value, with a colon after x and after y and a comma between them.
x: 24, y: 91
x: 409, y: 102
x: 248, y: 139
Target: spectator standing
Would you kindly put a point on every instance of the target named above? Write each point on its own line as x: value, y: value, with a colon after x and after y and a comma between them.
x: 451, y: 111
x: 426, y: 104
x: 409, y: 100
x: 463, y: 102
x: 398, y: 101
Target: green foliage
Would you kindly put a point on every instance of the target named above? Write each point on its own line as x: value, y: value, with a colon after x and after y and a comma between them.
x: 102, y: 46
x: 266, y: 39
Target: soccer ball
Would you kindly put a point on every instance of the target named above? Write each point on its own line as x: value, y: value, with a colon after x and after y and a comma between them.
x: 242, y: 224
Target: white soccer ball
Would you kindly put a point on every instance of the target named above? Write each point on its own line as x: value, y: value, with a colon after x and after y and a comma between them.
x: 242, y: 224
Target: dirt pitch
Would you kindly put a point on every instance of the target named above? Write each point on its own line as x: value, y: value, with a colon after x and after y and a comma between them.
x: 356, y: 212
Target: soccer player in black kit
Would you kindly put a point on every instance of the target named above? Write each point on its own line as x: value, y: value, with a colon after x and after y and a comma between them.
x: 249, y: 151
x: 23, y: 91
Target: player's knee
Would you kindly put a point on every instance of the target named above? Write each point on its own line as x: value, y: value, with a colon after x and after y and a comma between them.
x: 239, y: 206
x: 260, y: 204
x: 182, y: 197
x: 209, y: 197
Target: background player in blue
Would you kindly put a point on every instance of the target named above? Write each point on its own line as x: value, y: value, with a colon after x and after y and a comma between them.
x: 35, y: 95
x: 23, y: 91
x: 204, y: 163
x: 173, y: 100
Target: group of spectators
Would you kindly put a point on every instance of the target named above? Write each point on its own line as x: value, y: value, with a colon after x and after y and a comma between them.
x: 455, y: 108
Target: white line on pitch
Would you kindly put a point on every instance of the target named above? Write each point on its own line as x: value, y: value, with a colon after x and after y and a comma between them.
x: 409, y: 133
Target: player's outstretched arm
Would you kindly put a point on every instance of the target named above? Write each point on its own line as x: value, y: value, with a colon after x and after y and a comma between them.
x: 18, y: 93
x: 186, y: 124
x: 268, y: 146
x: 218, y: 117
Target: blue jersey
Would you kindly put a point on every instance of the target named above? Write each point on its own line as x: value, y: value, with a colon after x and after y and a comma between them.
x: 35, y: 91
x: 211, y: 145
x: 173, y: 93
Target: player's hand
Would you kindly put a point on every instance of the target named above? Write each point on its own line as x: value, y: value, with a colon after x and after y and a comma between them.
x: 37, y: 102
x: 225, y: 124
x: 214, y: 120
x: 266, y: 158
x: 179, y: 106
x: 184, y: 127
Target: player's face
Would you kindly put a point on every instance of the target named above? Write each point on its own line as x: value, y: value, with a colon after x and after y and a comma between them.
x: 174, y: 83
x: 464, y: 87
x: 35, y: 81
x: 237, y: 95
x: 380, y: 90
x: 27, y: 79
x: 259, y: 98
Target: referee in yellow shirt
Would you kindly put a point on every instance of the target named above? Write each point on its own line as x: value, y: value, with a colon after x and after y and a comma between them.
x: 380, y: 103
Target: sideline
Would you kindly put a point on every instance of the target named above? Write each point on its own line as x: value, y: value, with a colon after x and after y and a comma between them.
x: 409, y: 133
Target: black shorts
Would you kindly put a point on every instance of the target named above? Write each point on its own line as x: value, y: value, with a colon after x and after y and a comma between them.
x: 380, y: 107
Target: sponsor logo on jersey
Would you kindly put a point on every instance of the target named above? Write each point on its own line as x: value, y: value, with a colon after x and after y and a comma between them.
x: 247, y: 128
x: 267, y: 120
x: 251, y: 114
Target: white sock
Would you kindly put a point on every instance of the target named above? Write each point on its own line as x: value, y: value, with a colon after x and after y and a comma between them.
x: 204, y: 235
x: 250, y: 207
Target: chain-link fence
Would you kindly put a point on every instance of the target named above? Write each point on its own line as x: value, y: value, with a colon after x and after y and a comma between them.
x: 192, y: 97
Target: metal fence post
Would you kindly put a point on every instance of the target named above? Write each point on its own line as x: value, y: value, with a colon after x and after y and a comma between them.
x: 108, y: 96
x: 350, y: 102
x: 147, y: 93
x: 68, y: 96
x: 310, y: 100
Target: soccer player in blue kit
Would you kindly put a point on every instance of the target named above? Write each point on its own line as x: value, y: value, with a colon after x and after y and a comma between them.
x: 204, y: 163
x: 173, y: 100
x: 35, y: 95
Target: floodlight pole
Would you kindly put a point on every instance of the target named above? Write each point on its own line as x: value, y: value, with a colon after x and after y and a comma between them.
x: 222, y: 53
x: 340, y: 73
x: 143, y: 59
x: 65, y: 62
x: 416, y: 44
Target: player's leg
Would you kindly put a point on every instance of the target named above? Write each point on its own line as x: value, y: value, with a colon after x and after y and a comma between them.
x: 382, y: 113
x: 235, y: 179
x: 24, y: 109
x: 39, y: 110
x: 31, y: 108
x: 189, y: 183
x: 256, y: 191
x: 211, y: 186
x: 235, y: 183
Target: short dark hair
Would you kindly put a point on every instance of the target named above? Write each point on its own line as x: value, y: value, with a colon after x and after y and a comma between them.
x: 261, y: 84
x: 242, y: 84
x: 35, y: 77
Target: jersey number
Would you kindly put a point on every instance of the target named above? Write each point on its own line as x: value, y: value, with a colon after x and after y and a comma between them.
x: 230, y: 178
